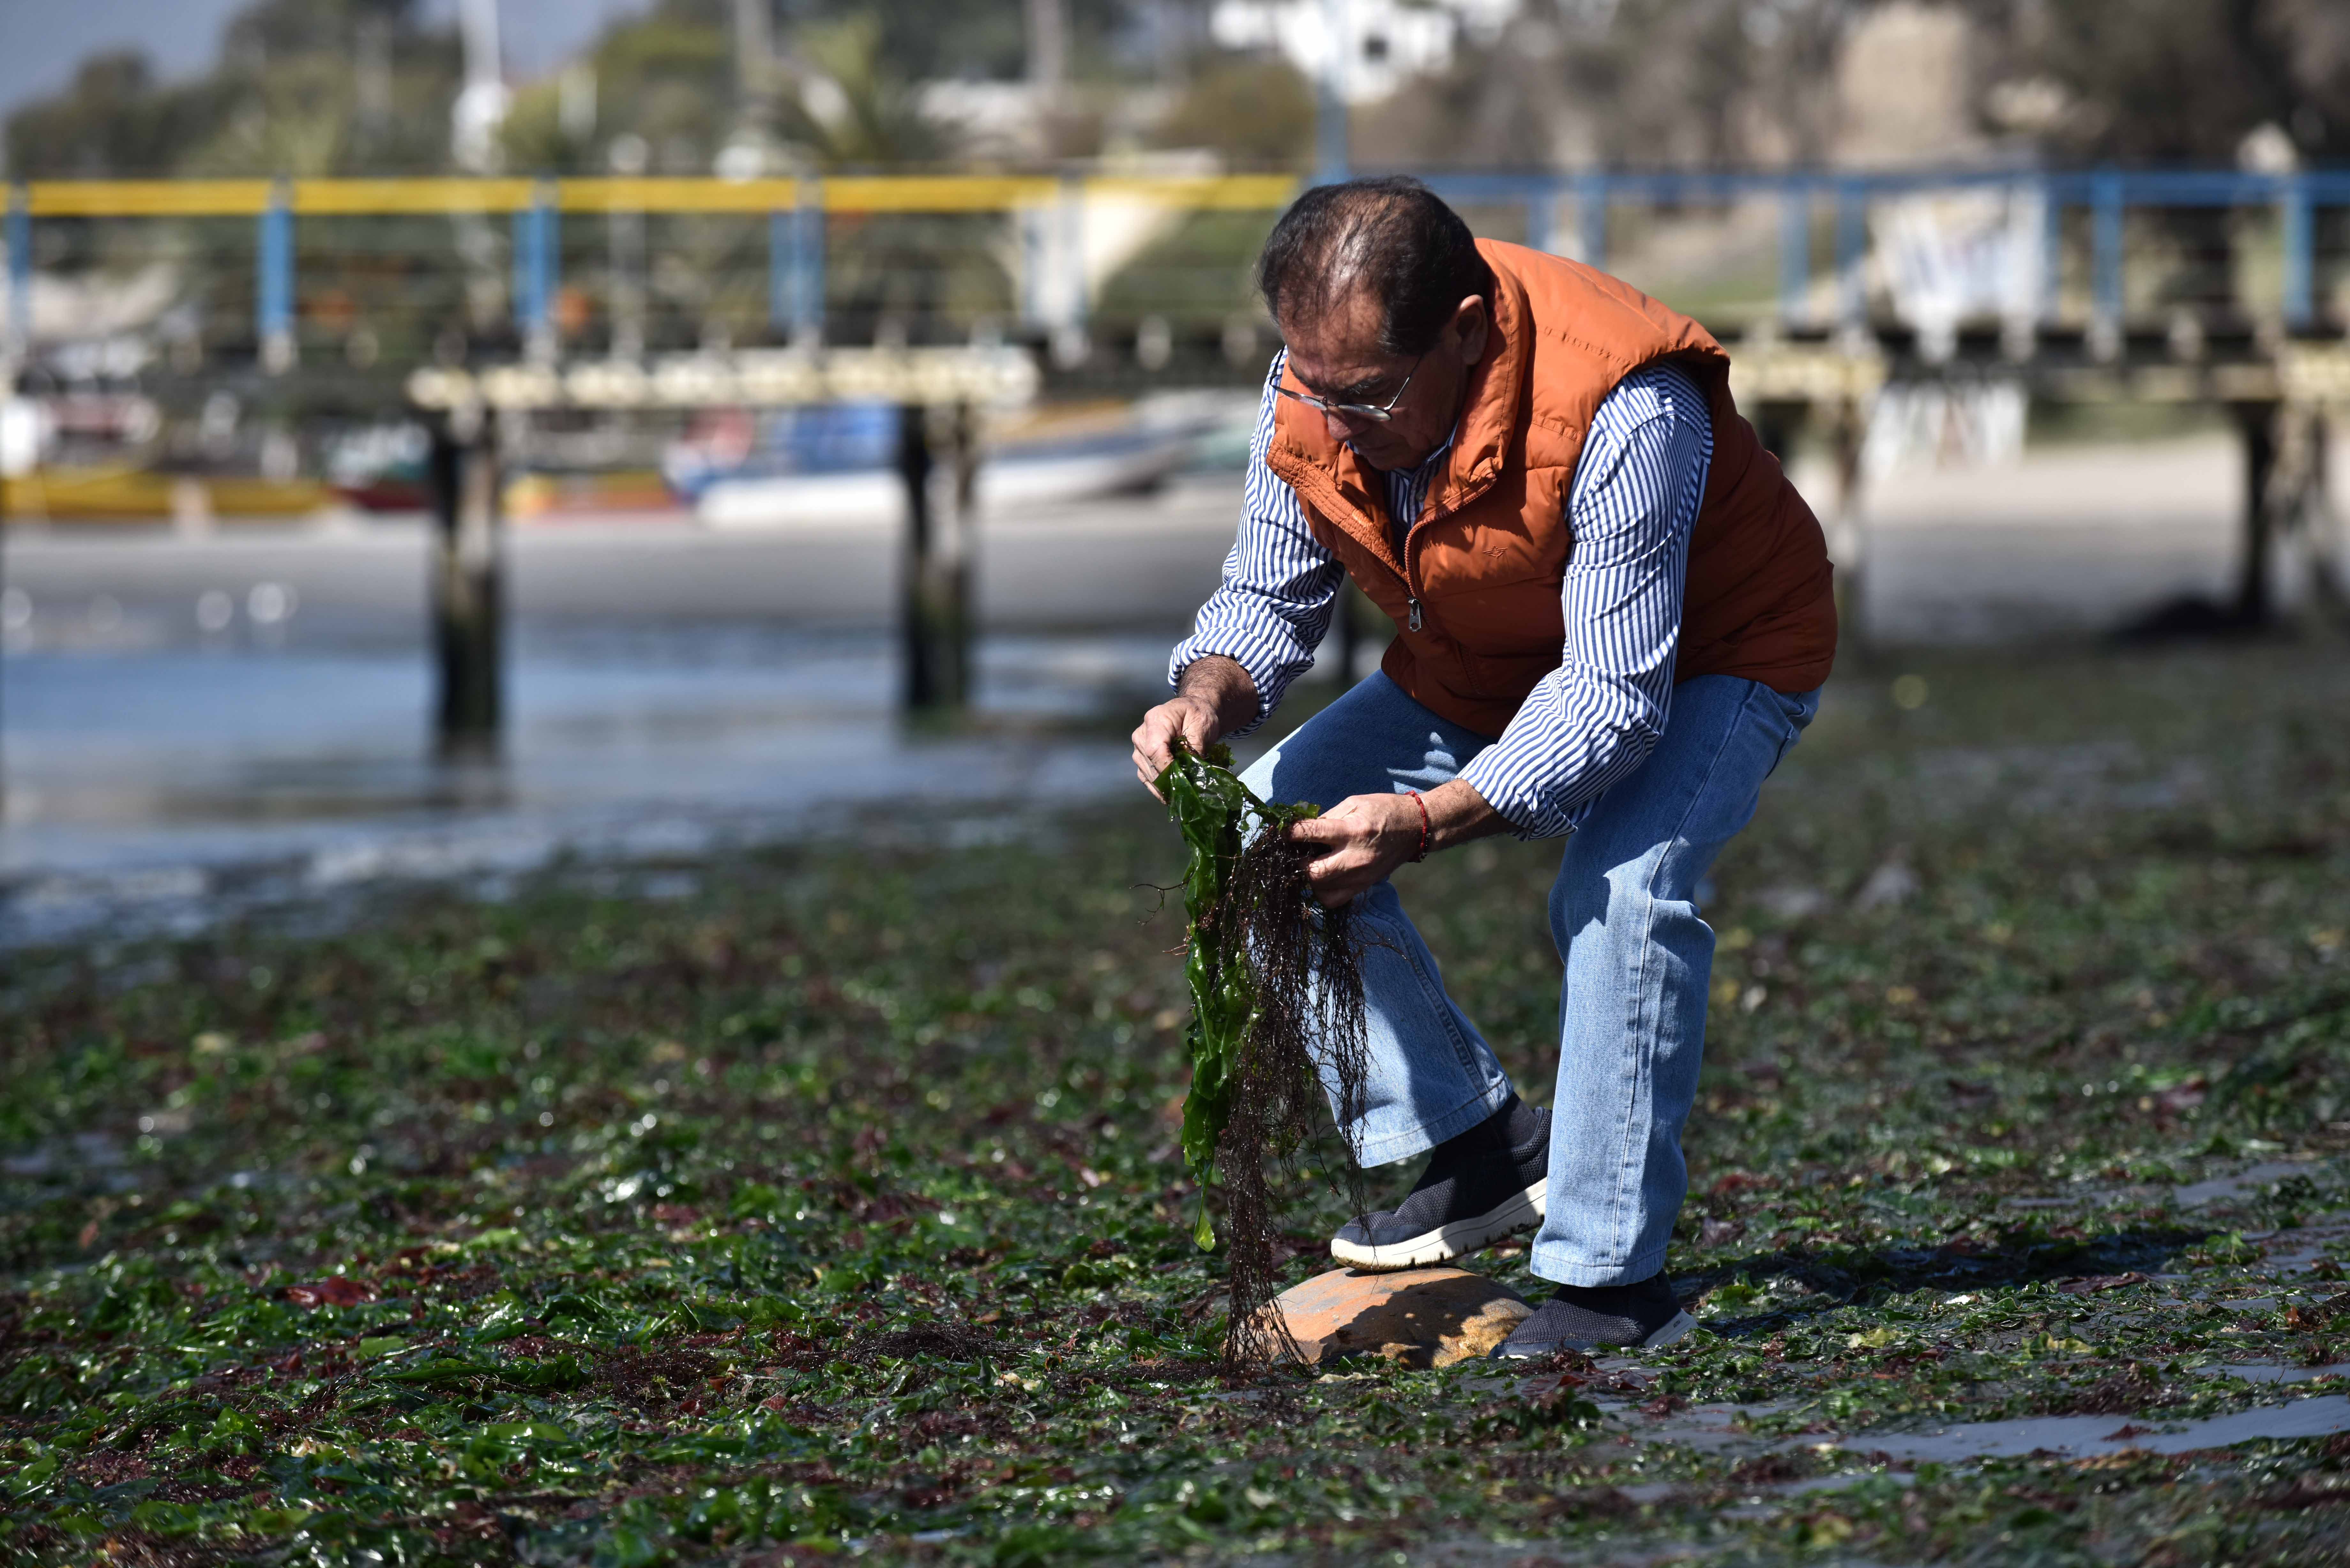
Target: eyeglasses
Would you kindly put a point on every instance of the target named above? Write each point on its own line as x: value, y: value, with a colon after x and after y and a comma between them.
x: 1378, y: 415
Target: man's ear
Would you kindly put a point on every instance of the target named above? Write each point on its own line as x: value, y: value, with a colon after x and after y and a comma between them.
x: 1472, y: 321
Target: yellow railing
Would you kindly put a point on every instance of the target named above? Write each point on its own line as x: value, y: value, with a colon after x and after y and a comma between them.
x: 146, y: 198
x: 848, y: 193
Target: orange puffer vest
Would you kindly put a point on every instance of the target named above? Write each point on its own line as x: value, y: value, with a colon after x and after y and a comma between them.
x: 1476, y: 596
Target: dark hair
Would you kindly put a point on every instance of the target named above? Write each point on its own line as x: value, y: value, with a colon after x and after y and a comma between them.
x: 1391, y: 236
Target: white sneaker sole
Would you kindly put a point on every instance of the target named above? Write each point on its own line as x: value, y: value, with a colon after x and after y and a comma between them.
x: 1519, y: 1211
x: 1682, y: 1323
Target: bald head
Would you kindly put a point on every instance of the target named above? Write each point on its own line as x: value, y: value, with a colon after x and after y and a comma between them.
x: 1385, y: 246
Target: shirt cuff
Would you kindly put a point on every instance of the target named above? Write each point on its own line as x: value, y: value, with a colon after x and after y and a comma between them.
x: 1519, y: 777
x: 1514, y: 789
x: 1270, y: 683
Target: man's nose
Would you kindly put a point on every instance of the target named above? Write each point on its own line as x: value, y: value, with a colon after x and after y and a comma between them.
x: 1340, y: 427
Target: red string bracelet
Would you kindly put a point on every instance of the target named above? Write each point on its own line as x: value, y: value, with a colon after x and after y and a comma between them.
x: 1425, y: 830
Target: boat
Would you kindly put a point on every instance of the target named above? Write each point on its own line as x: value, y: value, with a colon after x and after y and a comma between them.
x: 837, y: 464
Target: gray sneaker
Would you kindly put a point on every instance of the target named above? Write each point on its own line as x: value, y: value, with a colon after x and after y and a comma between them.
x: 1600, y: 1317
x: 1478, y: 1187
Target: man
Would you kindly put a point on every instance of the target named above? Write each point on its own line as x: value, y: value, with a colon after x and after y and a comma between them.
x: 1613, y: 616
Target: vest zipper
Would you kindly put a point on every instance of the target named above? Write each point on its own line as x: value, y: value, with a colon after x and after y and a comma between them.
x: 1410, y: 588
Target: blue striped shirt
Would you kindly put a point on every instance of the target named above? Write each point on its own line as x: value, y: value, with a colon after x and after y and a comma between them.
x: 1595, y: 719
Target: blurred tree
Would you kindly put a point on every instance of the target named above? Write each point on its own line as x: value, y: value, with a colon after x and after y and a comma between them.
x: 114, y: 119
x: 1631, y: 82
x: 2145, y: 83
x: 1626, y: 84
x: 2153, y: 83
x: 1257, y: 113
x: 327, y: 87
x: 867, y: 115
x: 667, y: 78
x: 2170, y: 82
x: 303, y: 86
x: 928, y: 40
x: 310, y: 87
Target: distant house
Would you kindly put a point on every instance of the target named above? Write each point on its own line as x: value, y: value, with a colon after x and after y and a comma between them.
x: 1385, y: 42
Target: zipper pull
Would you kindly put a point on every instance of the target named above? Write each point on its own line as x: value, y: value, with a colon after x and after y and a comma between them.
x: 1415, y: 614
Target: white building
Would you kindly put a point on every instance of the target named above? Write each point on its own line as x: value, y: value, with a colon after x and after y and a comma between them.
x: 1382, y: 44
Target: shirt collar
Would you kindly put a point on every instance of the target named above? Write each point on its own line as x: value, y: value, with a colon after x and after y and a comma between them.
x: 1425, y: 464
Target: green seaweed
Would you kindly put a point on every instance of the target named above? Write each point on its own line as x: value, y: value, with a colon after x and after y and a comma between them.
x: 1276, y: 994
x: 1210, y: 808
x: 852, y: 1185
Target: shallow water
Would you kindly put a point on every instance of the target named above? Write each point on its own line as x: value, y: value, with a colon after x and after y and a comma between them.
x: 2251, y: 1179
x: 2269, y: 1372
x: 2085, y: 1437
x: 155, y: 786
x: 1726, y: 1429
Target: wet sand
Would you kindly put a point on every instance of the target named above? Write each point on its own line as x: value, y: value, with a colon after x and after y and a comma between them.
x: 2071, y: 540
x: 697, y: 676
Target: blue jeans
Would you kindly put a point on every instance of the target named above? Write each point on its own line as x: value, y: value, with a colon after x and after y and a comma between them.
x: 1632, y: 1006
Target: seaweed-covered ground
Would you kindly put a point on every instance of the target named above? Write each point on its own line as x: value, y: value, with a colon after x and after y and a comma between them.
x: 826, y: 1201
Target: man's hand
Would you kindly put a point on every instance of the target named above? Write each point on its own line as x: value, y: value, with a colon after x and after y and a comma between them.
x: 1363, y: 838
x: 1360, y: 841
x: 1214, y: 697
x: 1192, y: 717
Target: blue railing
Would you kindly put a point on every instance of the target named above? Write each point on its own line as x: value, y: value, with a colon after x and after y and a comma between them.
x: 1556, y: 205
x: 2107, y: 193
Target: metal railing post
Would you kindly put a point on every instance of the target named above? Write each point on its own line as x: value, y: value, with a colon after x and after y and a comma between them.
x: 2106, y: 255
x: 2052, y: 250
x: 1852, y: 254
x: 811, y: 272
x: 526, y: 275
x: 796, y: 259
x: 534, y: 237
x: 1073, y: 246
x: 2300, y: 258
x: 783, y: 251
x: 1542, y: 208
x: 1591, y: 218
x: 1794, y: 250
x: 273, y: 283
x: 1028, y: 221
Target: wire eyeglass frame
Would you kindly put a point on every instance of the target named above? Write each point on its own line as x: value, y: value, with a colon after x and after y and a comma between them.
x: 1376, y: 414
